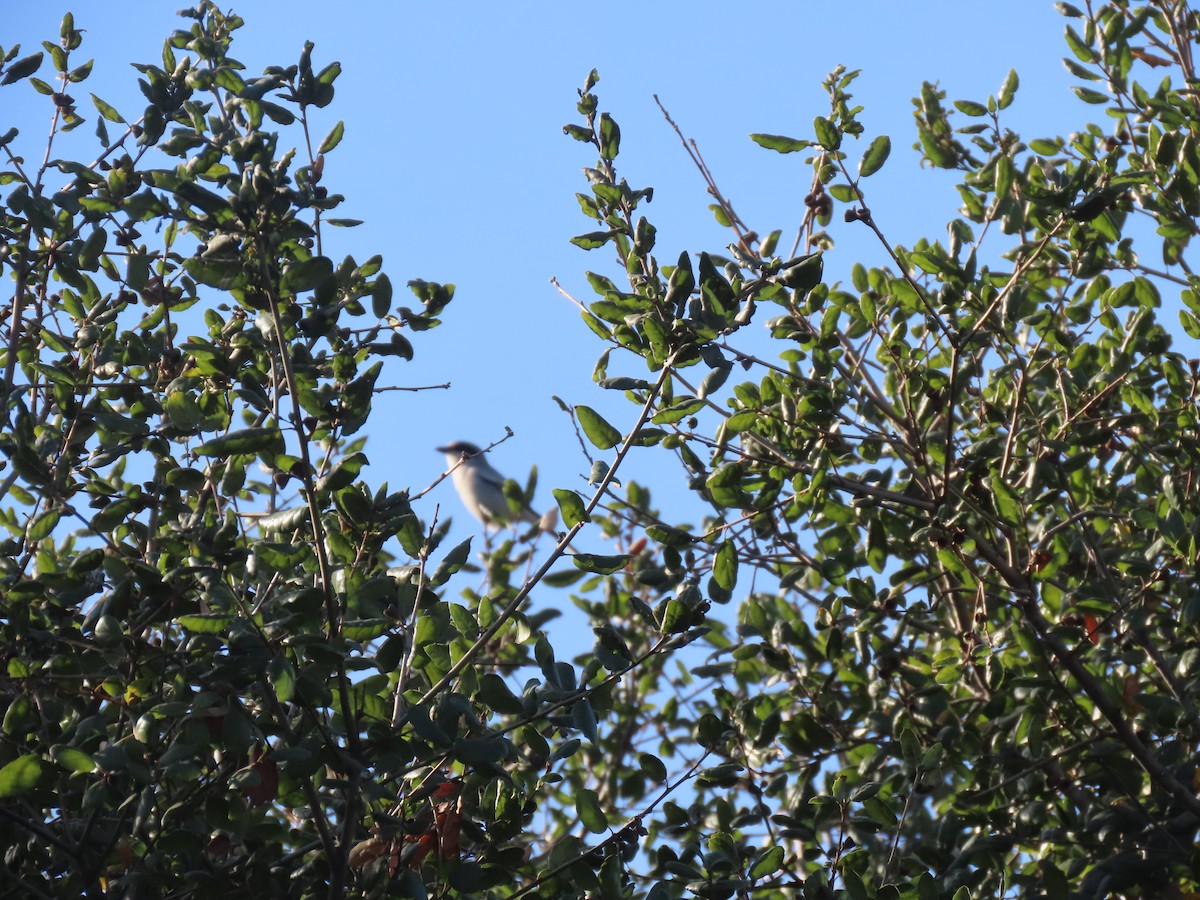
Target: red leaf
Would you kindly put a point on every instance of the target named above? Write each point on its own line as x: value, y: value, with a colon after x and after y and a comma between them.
x: 268, y: 778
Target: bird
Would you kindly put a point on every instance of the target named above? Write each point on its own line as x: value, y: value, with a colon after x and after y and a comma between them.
x: 480, y: 487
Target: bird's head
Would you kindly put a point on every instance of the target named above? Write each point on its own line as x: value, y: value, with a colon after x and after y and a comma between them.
x: 457, y: 450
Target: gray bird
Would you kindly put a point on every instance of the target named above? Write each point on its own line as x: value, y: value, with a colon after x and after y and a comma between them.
x: 480, y: 487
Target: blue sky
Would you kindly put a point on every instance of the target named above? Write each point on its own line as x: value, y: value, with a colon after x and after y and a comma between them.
x: 455, y: 158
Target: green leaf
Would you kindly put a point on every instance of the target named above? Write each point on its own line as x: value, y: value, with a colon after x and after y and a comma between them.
x: 333, y: 138
x: 43, y: 525
x: 578, y: 132
x: 602, y: 565
x: 610, y: 137
x: 827, y: 134
x: 305, y: 275
x: 283, y: 678
x: 1190, y: 323
x: 381, y: 296
x: 584, y: 718
x: 1004, y: 176
x: 562, y: 578
x: 652, y: 767
x: 668, y: 536
x: 106, y: 111
x: 280, y: 115
x: 452, y: 563
x: 572, y: 507
x: 1082, y: 51
x: 22, y: 68
x: 283, y: 520
x: 710, y: 732
x: 1008, y: 90
x: 92, y: 247
x: 222, y: 274
x: 81, y: 73
x: 801, y: 274
x: 779, y: 143
x: 1087, y: 95
x: 21, y: 775
x: 137, y: 270
x: 766, y: 863
x: 1008, y: 505
x: 720, y: 215
x: 183, y: 410
x: 970, y: 108
x: 875, y: 157
x: 598, y: 431
x: 248, y: 440
x: 481, y: 751
x: 330, y: 73
x: 365, y: 629
x: 207, y: 623
x: 725, y: 566
x: 496, y: 694
x: 592, y: 240
x: 587, y: 804
x: 73, y: 759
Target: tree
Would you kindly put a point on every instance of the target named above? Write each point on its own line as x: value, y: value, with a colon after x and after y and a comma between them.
x: 953, y: 497
x: 962, y: 487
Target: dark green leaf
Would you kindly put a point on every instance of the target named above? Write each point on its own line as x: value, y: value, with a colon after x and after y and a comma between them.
x: 453, y: 562
x: 248, y: 440
x: 610, y: 137
x: 381, y: 296
x: 584, y: 718
x: 223, y: 274
x: 801, y: 274
x: 591, y: 813
x: 22, y: 68
x: 603, y: 565
x: 306, y: 275
x: 652, y: 767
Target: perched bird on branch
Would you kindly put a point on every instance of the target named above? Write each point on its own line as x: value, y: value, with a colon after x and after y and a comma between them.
x: 481, y: 488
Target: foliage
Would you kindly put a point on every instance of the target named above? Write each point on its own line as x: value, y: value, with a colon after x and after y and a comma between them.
x: 203, y: 647
x: 962, y: 487
x: 955, y: 499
